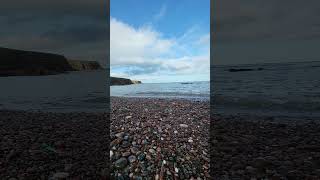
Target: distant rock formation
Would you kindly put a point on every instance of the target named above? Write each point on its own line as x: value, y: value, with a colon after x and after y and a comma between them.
x: 28, y: 63
x: 123, y: 81
x: 78, y: 65
x: 241, y: 69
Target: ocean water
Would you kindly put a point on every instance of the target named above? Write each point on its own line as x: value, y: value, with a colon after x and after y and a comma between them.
x: 187, y: 90
x: 286, y: 89
x: 75, y: 91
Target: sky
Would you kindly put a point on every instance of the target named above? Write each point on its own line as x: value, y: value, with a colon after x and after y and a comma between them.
x: 160, y: 41
x: 164, y: 40
x: 76, y: 29
x: 273, y: 31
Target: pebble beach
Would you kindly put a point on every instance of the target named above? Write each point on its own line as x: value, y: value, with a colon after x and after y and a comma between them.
x: 159, y: 139
x: 245, y: 147
x: 44, y: 145
x: 156, y: 139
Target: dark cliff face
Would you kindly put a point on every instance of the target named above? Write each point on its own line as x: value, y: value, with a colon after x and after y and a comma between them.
x: 84, y: 65
x: 28, y: 63
x: 122, y: 81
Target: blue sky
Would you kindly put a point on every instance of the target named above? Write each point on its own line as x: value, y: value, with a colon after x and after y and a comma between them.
x: 160, y: 41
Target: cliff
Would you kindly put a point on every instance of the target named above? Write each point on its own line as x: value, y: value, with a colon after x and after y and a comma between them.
x: 78, y: 65
x: 122, y: 81
x: 28, y: 63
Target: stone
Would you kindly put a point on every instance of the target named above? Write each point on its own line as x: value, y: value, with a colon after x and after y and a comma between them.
x: 148, y: 157
x: 132, y: 158
x: 126, y: 154
x: 119, y: 135
x: 111, y: 154
x: 116, y: 142
x: 251, y: 169
x: 141, y: 156
x: 121, y: 163
x: 183, y: 125
x: 59, y: 175
x: 157, y: 177
x: 152, y: 151
x: 134, y: 150
x: 125, y: 144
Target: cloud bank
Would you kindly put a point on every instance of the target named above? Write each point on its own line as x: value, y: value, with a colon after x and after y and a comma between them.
x: 74, y: 28
x: 145, y: 54
x: 266, y: 20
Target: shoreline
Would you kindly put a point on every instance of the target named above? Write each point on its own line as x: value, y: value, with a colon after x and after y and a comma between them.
x: 187, y: 99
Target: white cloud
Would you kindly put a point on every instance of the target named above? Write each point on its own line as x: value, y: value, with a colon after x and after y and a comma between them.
x: 144, y: 53
x: 161, y: 13
x: 204, y: 40
x: 129, y: 45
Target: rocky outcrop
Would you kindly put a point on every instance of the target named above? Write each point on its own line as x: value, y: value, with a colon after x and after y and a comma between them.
x: 78, y: 65
x: 17, y: 62
x: 243, y: 69
x: 28, y: 63
x: 123, y: 81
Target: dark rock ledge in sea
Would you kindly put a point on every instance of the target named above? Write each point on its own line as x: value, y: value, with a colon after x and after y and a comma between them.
x: 122, y: 81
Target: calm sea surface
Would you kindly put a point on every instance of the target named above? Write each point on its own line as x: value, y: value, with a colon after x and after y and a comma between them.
x: 288, y: 89
x: 75, y: 91
x: 187, y: 90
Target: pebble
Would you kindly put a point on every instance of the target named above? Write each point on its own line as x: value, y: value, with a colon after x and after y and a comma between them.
x: 126, y: 154
x: 121, y: 163
x: 132, y: 158
x: 111, y: 154
x: 141, y: 156
x: 60, y: 175
x: 119, y: 135
x: 183, y: 125
x: 152, y: 151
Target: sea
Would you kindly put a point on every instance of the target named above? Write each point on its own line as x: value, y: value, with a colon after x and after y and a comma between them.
x: 289, y: 90
x: 198, y: 90
x: 70, y: 92
x: 278, y: 89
